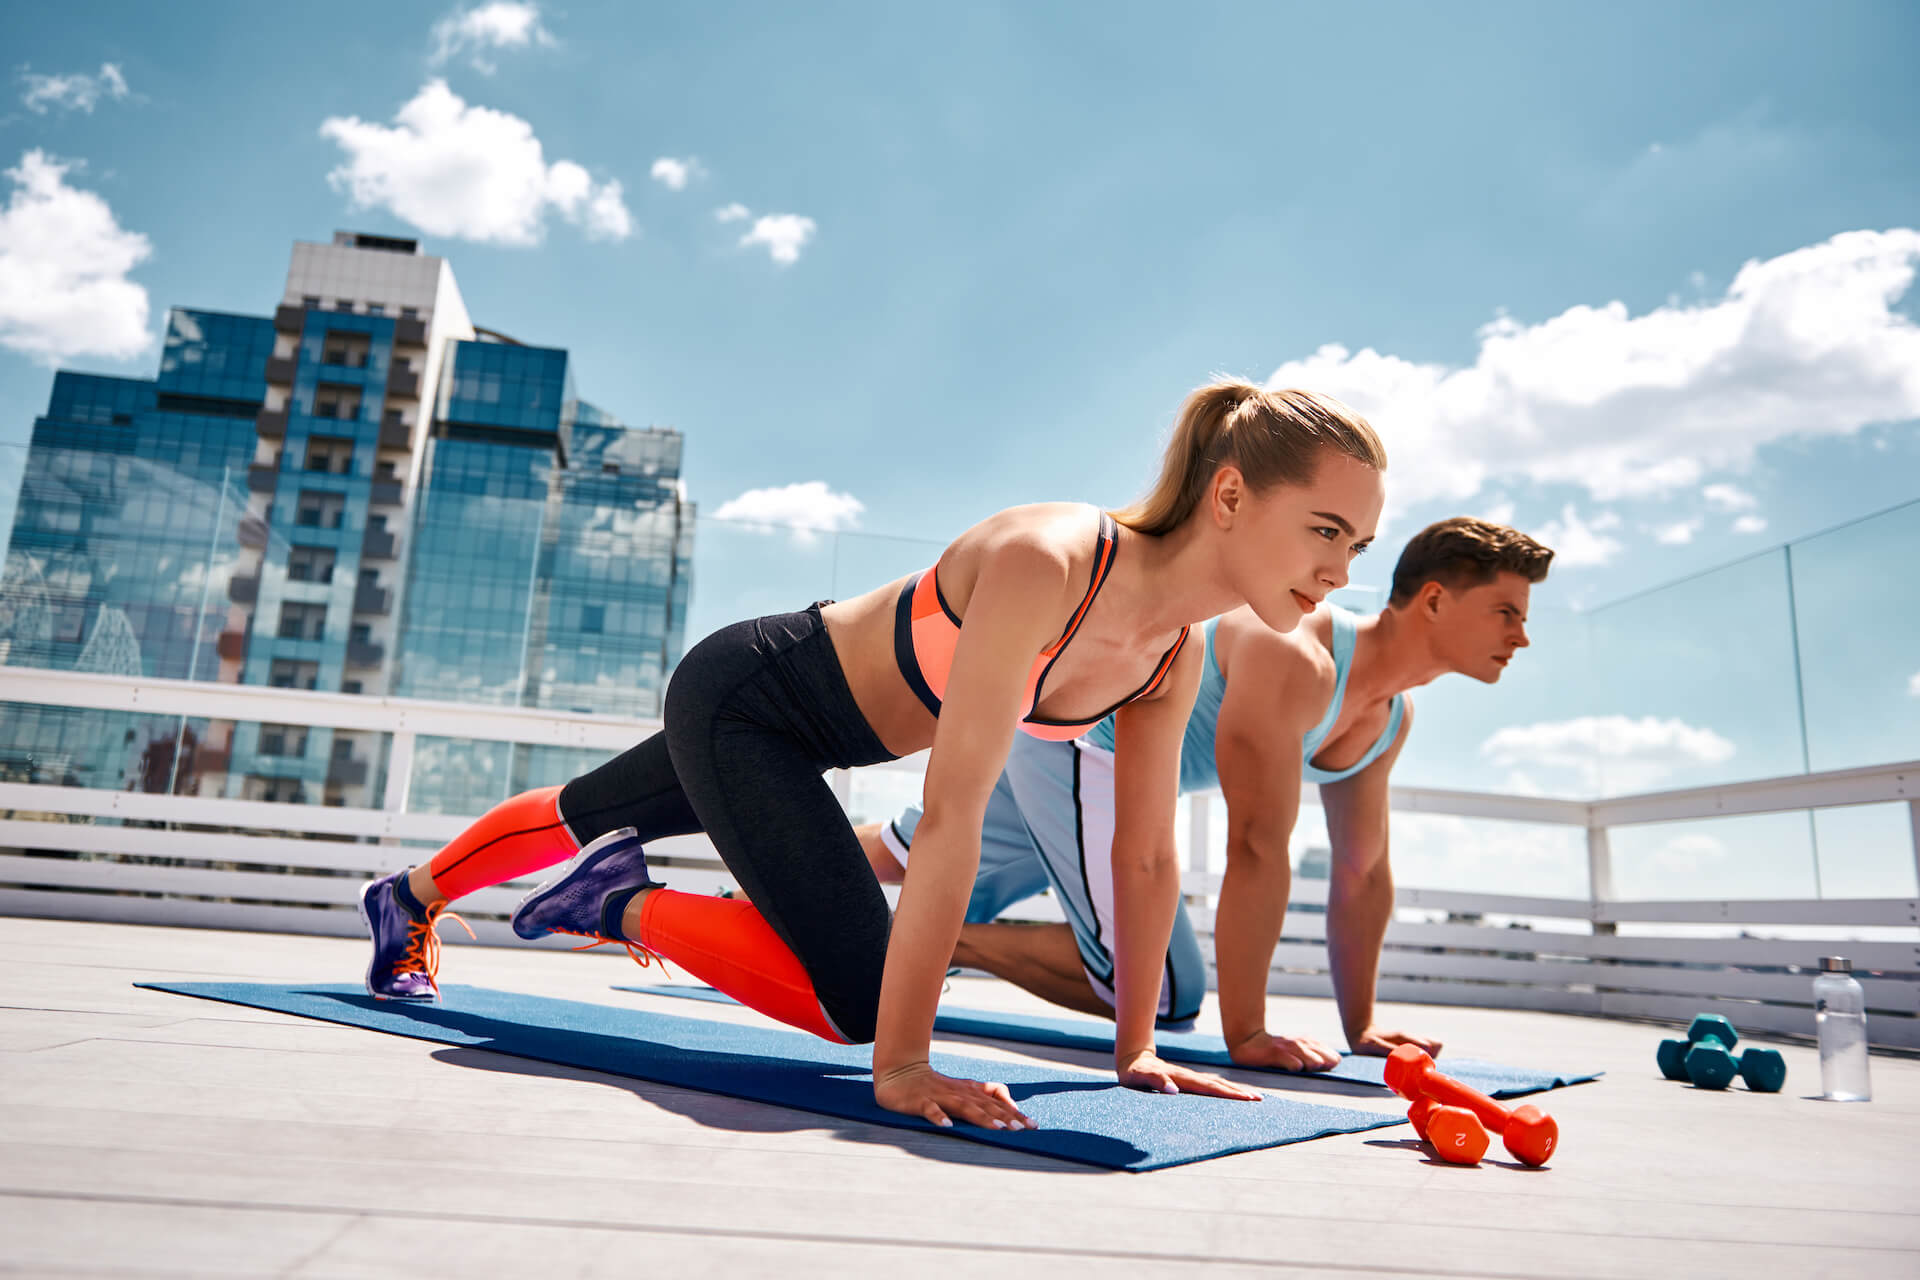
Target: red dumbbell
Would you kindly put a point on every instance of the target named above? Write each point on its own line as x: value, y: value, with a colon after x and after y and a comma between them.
x: 1528, y: 1132
x: 1418, y: 1114
x: 1456, y: 1135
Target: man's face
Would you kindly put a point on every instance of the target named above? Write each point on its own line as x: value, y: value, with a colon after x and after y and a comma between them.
x: 1482, y: 627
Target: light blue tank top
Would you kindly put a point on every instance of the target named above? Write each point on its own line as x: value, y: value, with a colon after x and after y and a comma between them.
x: 1197, y: 769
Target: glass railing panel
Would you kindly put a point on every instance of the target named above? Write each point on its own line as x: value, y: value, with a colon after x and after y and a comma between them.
x: 1867, y: 851
x: 1768, y: 855
x: 879, y: 795
x: 1693, y: 683
x: 1858, y: 619
x: 743, y: 571
x: 113, y: 750
x: 1531, y: 733
x: 1480, y: 855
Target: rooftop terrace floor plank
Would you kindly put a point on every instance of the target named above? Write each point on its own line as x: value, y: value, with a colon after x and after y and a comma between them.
x: 145, y: 1134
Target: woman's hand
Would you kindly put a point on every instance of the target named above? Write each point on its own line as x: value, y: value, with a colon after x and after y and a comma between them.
x: 918, y: 1090
x: 1145, y: 1070
x: 1380, y: 1044
x: 1285, y: 1053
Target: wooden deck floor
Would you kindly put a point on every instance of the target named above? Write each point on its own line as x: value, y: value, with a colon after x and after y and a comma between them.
x: 146, y: 1134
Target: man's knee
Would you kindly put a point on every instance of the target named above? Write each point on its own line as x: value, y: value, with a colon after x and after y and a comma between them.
x: 886, y: 867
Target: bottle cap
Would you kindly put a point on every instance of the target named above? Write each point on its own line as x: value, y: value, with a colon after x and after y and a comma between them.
x: 1835, y: 964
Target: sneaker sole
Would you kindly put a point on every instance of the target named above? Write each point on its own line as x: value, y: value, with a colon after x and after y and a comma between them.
x: 367, y: 924
x: 592, y: 853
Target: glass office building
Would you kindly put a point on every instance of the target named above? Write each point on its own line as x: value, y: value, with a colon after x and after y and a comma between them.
x: 361, y: 494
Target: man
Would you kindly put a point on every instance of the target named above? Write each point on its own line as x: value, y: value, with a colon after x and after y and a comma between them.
x: 1326, y: 701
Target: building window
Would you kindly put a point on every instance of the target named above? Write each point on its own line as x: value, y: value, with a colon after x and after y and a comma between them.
x: 369, y: 577
x: 288, y: 674
x: 593, y: 618
x: 376, y: 309
x: 321, y: 510
x: 283, y: 740
x: 310, y: 300
x: 310, y: 564
x: 350, y: 686
x: 343, y: 304
x: 411, y: 313
x: 396, y: 418
x: 303, y: 621
x: 362, y: 633
x: 330, y: 454
x: 342, y: 748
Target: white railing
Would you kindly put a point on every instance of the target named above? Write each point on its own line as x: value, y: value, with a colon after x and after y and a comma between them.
x: 92, y: 854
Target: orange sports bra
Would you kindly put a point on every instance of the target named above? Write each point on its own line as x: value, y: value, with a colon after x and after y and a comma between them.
x: 925, y: 632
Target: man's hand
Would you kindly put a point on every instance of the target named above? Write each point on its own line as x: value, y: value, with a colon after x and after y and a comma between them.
x: 1284, y: 1053
x: 1376, y: 1043
x: 1146, y: 1071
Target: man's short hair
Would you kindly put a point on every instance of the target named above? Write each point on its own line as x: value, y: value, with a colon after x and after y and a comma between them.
x: 1462, y: 553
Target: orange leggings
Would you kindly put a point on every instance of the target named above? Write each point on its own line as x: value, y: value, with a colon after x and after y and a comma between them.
x: 723, y: 941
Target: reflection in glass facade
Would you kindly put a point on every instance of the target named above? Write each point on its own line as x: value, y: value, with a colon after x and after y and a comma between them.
x: 551, y: 546
x: 359, y: 494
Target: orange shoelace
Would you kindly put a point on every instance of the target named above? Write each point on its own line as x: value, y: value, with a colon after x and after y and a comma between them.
x: 638, y: 952
x: 423, y: 943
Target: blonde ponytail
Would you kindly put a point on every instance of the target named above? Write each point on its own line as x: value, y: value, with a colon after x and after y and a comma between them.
x: 1274, y: 437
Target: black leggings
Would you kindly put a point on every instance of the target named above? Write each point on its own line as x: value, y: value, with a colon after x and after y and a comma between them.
x: 754, y: 715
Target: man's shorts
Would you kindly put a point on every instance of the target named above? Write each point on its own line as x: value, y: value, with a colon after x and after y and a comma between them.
x: 1050, y: 821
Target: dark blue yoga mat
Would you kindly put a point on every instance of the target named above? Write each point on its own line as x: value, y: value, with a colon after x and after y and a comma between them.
x: 1194, y: 1048
x: 1083, y: 1117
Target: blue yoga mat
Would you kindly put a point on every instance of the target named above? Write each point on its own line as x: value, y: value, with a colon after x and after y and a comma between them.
x: 1083, y: 1117
x: 1194, y: 1048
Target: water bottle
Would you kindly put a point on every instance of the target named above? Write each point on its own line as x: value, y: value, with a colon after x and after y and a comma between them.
x: 1840, y: 1018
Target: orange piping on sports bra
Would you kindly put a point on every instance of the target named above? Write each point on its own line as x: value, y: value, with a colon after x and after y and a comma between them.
x: 926, y: 632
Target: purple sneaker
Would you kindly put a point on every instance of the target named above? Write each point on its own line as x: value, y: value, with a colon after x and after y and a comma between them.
x: 590, y: 893
x: 406, y: 946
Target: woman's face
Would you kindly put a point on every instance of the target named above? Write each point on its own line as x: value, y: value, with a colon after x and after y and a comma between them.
x: 1288, y: 547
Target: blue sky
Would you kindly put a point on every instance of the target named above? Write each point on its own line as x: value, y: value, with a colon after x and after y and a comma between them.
x: 1636, y: 278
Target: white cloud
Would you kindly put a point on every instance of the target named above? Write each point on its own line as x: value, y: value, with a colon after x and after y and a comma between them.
x: 1729, y: 497
x: 480, y: 31
x: 1750, y: 524
x: 1913, y: 685
x: 1689, y: 854
x: 1805, y: 344
x: 64, y: 261
x: 76, y: 92
x: 1577, y: 543
x: 1624, y: 753
x: 675, y: 174
x: 456, y: 170
x: 734, y: 212
x: 782, y: 233
x: 805, y: 510
x: 1679, y: 533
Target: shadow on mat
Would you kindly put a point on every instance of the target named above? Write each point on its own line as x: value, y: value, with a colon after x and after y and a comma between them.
x: 1089, y: 1057
x: 842, y: 1089
x: 733, y: 1114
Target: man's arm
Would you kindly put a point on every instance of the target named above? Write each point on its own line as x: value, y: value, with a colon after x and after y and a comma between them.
x: 1360, y: 897
x: 1265, y: 710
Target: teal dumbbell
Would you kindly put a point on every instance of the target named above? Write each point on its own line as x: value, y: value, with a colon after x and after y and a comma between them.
x: 1710, y: 1064
x: 1764, y: 1070
x: 1706, y: 1058
x: 1672, y: 1055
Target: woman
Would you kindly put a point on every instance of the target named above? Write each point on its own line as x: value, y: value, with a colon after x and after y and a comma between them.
x: 1041, y: 619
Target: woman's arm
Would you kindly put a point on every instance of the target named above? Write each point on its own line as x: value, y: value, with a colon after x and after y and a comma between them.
x: 1019, y: 596
x: 1146, y: 877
